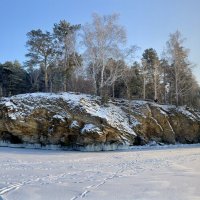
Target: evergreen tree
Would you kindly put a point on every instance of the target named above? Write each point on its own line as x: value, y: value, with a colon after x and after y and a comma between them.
x: 41, y: 52
x: 151, y: 65
x: 68, y: 58
x: 13, y: 79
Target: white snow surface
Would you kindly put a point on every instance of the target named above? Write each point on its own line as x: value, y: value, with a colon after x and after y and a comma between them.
x: 183, y: 110
x: 91, y: 128
x: 143, y: 173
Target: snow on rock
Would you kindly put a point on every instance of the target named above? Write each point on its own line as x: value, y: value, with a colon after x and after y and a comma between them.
x: 186, y: 112
x: 91, y: 128
x: 83, y: 121
x: 42, y: 114
x: 111, y: 113
x: 59, y: 117
x: 74, y: 124
x: 9, y: 104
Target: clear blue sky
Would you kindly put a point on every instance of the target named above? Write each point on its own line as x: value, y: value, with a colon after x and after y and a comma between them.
x: 148, y: 22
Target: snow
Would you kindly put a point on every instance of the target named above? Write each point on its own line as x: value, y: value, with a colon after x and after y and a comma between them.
x: 170, y: 127
x: 31, y: 146
x: 26, y: 103
x: 66, y: 106
x: 91, y: 128
x: 157, y: 123
x: 162, y: 111
x: 187, y: 113
x: 88, y: 148
x: 134, y: 122
x: 74, y: 124
x: 112, y: 113
x: 10, y: 105
x: 12, y: 116
x: 143, y: 173
x: 61, y: 118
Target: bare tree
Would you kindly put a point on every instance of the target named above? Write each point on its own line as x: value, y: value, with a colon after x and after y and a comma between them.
x: 180, y: 67
x: 103, y: 39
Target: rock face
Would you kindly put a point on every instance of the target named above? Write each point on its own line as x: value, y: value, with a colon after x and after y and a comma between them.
x: 81, y: 121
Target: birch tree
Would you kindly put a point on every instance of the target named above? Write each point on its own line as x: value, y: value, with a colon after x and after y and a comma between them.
x: 180, y: 68
x: 103, y: 39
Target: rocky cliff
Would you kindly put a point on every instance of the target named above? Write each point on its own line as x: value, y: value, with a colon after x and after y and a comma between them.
x: 80, y: 121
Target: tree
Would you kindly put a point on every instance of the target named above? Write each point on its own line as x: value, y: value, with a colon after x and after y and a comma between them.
x: 34, y: 75
x: 11, y: 75
x: 65, y: 38
x: 165, y: 67
x: 144, y: 75
x: 180, y: 68
x: 193, y: 98
x: 115, y: 70
x: 41, y: 51
x: 102, y: 40
x: 151, y: 71
x: 136, y: 81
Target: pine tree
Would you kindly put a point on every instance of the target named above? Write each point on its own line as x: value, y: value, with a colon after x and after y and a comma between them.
x: 41, y: 52
x: 150, y: 73
x: 65, y: 36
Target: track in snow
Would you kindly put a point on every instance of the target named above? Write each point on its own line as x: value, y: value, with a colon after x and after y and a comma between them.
x: 136, y: 174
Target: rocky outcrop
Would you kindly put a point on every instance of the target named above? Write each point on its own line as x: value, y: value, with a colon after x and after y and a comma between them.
x: 81, y: 121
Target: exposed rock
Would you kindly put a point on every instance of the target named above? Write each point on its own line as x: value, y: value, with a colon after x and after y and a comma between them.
x: 81, y: 122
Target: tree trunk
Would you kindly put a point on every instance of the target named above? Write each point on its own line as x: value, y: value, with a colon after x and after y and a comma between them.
x: 113, y: 90
x: 176, y: 91
x: 165, y: 90
x: 129, y: 103
x: 65, y: 67
x: 46, y: 81
x: 1, y: 91
x: 155, y: 84
x: 51, y: 86
x: 102, y: 76
x: 65, y: 83
x: 102, y: 80
x: 95, y: 81
x: 45, y: 75
x: 144, y: 88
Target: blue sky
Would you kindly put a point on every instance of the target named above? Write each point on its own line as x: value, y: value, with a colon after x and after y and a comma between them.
x: 148, y: 22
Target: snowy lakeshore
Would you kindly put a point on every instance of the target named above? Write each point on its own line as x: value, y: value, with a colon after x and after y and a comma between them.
x: 143, y: 173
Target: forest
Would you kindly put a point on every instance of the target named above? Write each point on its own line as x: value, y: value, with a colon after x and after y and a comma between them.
x: 95, y: 59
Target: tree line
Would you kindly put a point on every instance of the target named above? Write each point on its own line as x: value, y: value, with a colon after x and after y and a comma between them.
x: 95, y: 59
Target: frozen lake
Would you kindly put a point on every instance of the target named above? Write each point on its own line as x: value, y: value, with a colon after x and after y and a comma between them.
x: 141, y: 174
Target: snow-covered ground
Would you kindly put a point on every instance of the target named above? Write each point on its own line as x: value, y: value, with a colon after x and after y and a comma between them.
x: 171, y: 173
